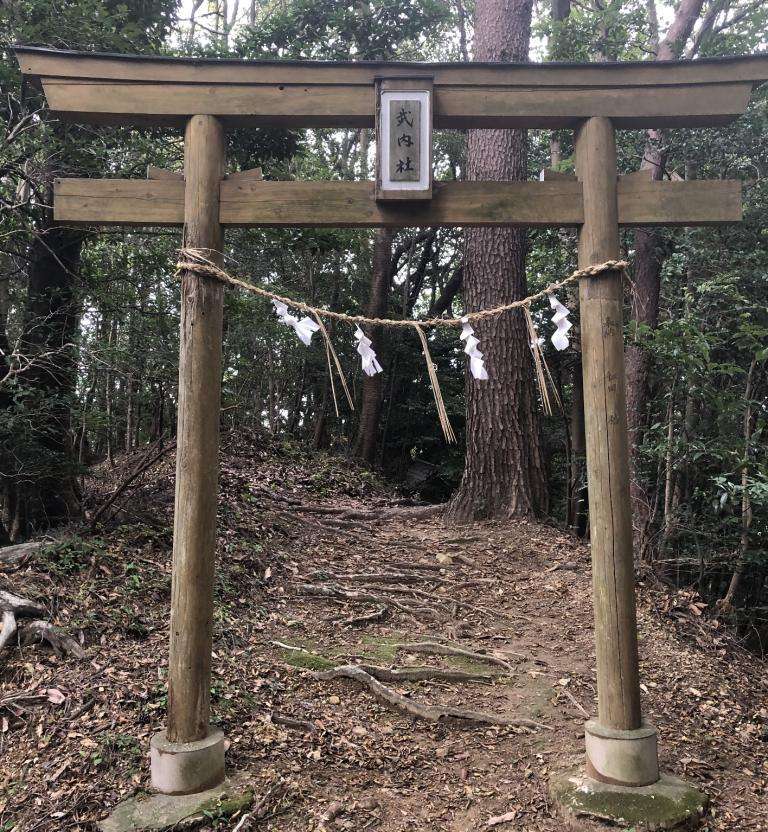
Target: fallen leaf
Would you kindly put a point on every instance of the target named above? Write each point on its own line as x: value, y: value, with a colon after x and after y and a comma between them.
x: 498, y: 819
x: 55, y: 696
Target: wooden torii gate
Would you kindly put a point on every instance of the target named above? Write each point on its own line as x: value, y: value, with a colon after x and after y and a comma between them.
x: 205, y: 97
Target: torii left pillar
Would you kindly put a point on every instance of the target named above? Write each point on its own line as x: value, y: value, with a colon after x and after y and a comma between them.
x: 189, y: 755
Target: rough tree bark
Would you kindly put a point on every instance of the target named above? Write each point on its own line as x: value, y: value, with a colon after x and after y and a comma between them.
x: 646, y: 287
x: 50, y: 326
x: 504, y: 474
x: 367, y: 432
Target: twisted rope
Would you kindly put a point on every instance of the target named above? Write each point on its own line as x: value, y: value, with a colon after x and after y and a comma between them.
x: 194, y: 260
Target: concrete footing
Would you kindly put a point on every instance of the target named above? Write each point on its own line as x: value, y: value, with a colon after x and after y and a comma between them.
x: 158, y: 812
x: 624, y: 758
x: 187, y: 767
x: 668, y: 803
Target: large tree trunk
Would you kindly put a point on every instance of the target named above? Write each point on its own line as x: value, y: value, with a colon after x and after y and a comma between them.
x: 51, y: 319
x: 370, y: 409
x: 6, y: 487
x: 504, y: 473
x: 646, y: 287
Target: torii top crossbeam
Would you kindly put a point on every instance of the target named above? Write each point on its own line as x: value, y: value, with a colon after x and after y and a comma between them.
x: 134, y: 89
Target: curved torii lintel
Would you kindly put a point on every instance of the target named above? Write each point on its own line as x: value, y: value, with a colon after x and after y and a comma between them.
x: 153, y: 90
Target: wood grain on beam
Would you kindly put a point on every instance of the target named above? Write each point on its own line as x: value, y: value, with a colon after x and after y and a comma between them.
x: 119, y: 201
x: 679, y: 203
x: 73, y: 65
x: 163, y: 173
x: 318, y: 105
x: 351, y: 204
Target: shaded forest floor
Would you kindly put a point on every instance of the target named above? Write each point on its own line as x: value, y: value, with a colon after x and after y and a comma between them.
x: 325, y: 754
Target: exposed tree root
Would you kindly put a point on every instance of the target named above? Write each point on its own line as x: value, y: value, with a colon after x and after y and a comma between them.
x: 423, y: 674
x: 391, y: 577
x: 19, y: 606
x: 14, y: 607
x: 12, y: 555
x: 62, y: 644
x: 429, y: 713
x: 376, y: 515
x: 371, y: 618
x: 291, y: 722
x: 440, y: 649
x: 401, y: 564
x: 356, y: 596
x: 9, y: 628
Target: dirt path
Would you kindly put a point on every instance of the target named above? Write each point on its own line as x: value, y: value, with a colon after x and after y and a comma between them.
x: 332, y: 755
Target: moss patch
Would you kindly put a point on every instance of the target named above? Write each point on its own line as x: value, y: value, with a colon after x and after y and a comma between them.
x: 305, y: 659
x: 668, y: 804
x: 382, y: 649
x: 226, y: 805
x: 160, y: 812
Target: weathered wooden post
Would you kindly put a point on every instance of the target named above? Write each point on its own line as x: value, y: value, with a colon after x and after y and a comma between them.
x: 189, y: 756
x: 622, y: 770
x: 605, y: 408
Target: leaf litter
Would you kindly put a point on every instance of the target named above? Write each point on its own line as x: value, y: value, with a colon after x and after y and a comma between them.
x: 510, y: 603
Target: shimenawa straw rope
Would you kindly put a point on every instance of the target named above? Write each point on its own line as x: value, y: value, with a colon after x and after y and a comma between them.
x: 195, y: 261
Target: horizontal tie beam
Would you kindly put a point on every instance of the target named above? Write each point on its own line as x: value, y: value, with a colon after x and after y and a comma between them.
x: 251, y: 202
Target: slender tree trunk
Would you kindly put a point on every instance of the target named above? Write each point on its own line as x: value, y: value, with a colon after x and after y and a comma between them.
x: 670, y: 477
x: 370, y: 409
x: 504, y: 472
x: 109, y: 395
x: 294, y: 417
x: 746, y: 502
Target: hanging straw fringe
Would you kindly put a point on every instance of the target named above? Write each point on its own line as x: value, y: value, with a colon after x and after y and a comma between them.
x: 450, y: 436
x: 330, y: 352
x: 195, y: 260
x: 538, y: 361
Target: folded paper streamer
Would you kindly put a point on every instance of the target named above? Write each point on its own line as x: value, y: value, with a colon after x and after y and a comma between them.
x: 304, y: 327
x: 476, y: 363
x: 560, y: 319
x: 370, y: 365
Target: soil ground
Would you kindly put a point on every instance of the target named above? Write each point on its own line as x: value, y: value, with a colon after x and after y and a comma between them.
x: 327, y: 754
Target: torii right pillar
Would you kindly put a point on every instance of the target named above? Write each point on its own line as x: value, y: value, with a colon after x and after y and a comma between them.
x: 621, y: 780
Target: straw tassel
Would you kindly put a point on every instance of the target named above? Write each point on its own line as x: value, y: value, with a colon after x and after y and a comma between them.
x: 442, y: 413
x: 330, y: 353
x: 538, y: 360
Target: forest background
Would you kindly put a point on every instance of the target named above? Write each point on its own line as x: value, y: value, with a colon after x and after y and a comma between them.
x: 89, y: 318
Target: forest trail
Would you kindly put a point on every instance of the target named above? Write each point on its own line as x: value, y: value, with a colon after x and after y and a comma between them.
x: 301, y: 540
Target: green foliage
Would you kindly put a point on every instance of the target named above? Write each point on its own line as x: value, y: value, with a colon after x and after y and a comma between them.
x: 381, y: 30
x: 69, y: 555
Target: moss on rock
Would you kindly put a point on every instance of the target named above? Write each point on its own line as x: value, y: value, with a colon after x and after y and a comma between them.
x: 668, y: 804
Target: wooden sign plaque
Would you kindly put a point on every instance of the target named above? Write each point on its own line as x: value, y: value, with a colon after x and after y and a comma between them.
x: 404, y: 138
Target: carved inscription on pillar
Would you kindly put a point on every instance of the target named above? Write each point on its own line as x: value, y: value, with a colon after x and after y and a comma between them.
x: 404, y: 139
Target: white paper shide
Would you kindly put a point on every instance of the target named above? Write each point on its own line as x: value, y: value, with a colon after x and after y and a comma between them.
x: 561, y: 322
x: 472, y: 342
x: 371, y: 365
x: 304, y: 327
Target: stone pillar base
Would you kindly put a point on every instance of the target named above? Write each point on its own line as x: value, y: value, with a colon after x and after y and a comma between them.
x: 187, y: 767
x: 622, y: 758
x: 668, y: 803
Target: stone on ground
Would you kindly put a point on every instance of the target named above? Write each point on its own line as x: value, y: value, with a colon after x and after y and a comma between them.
x: 158, y: 812
x: 668, y: 804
